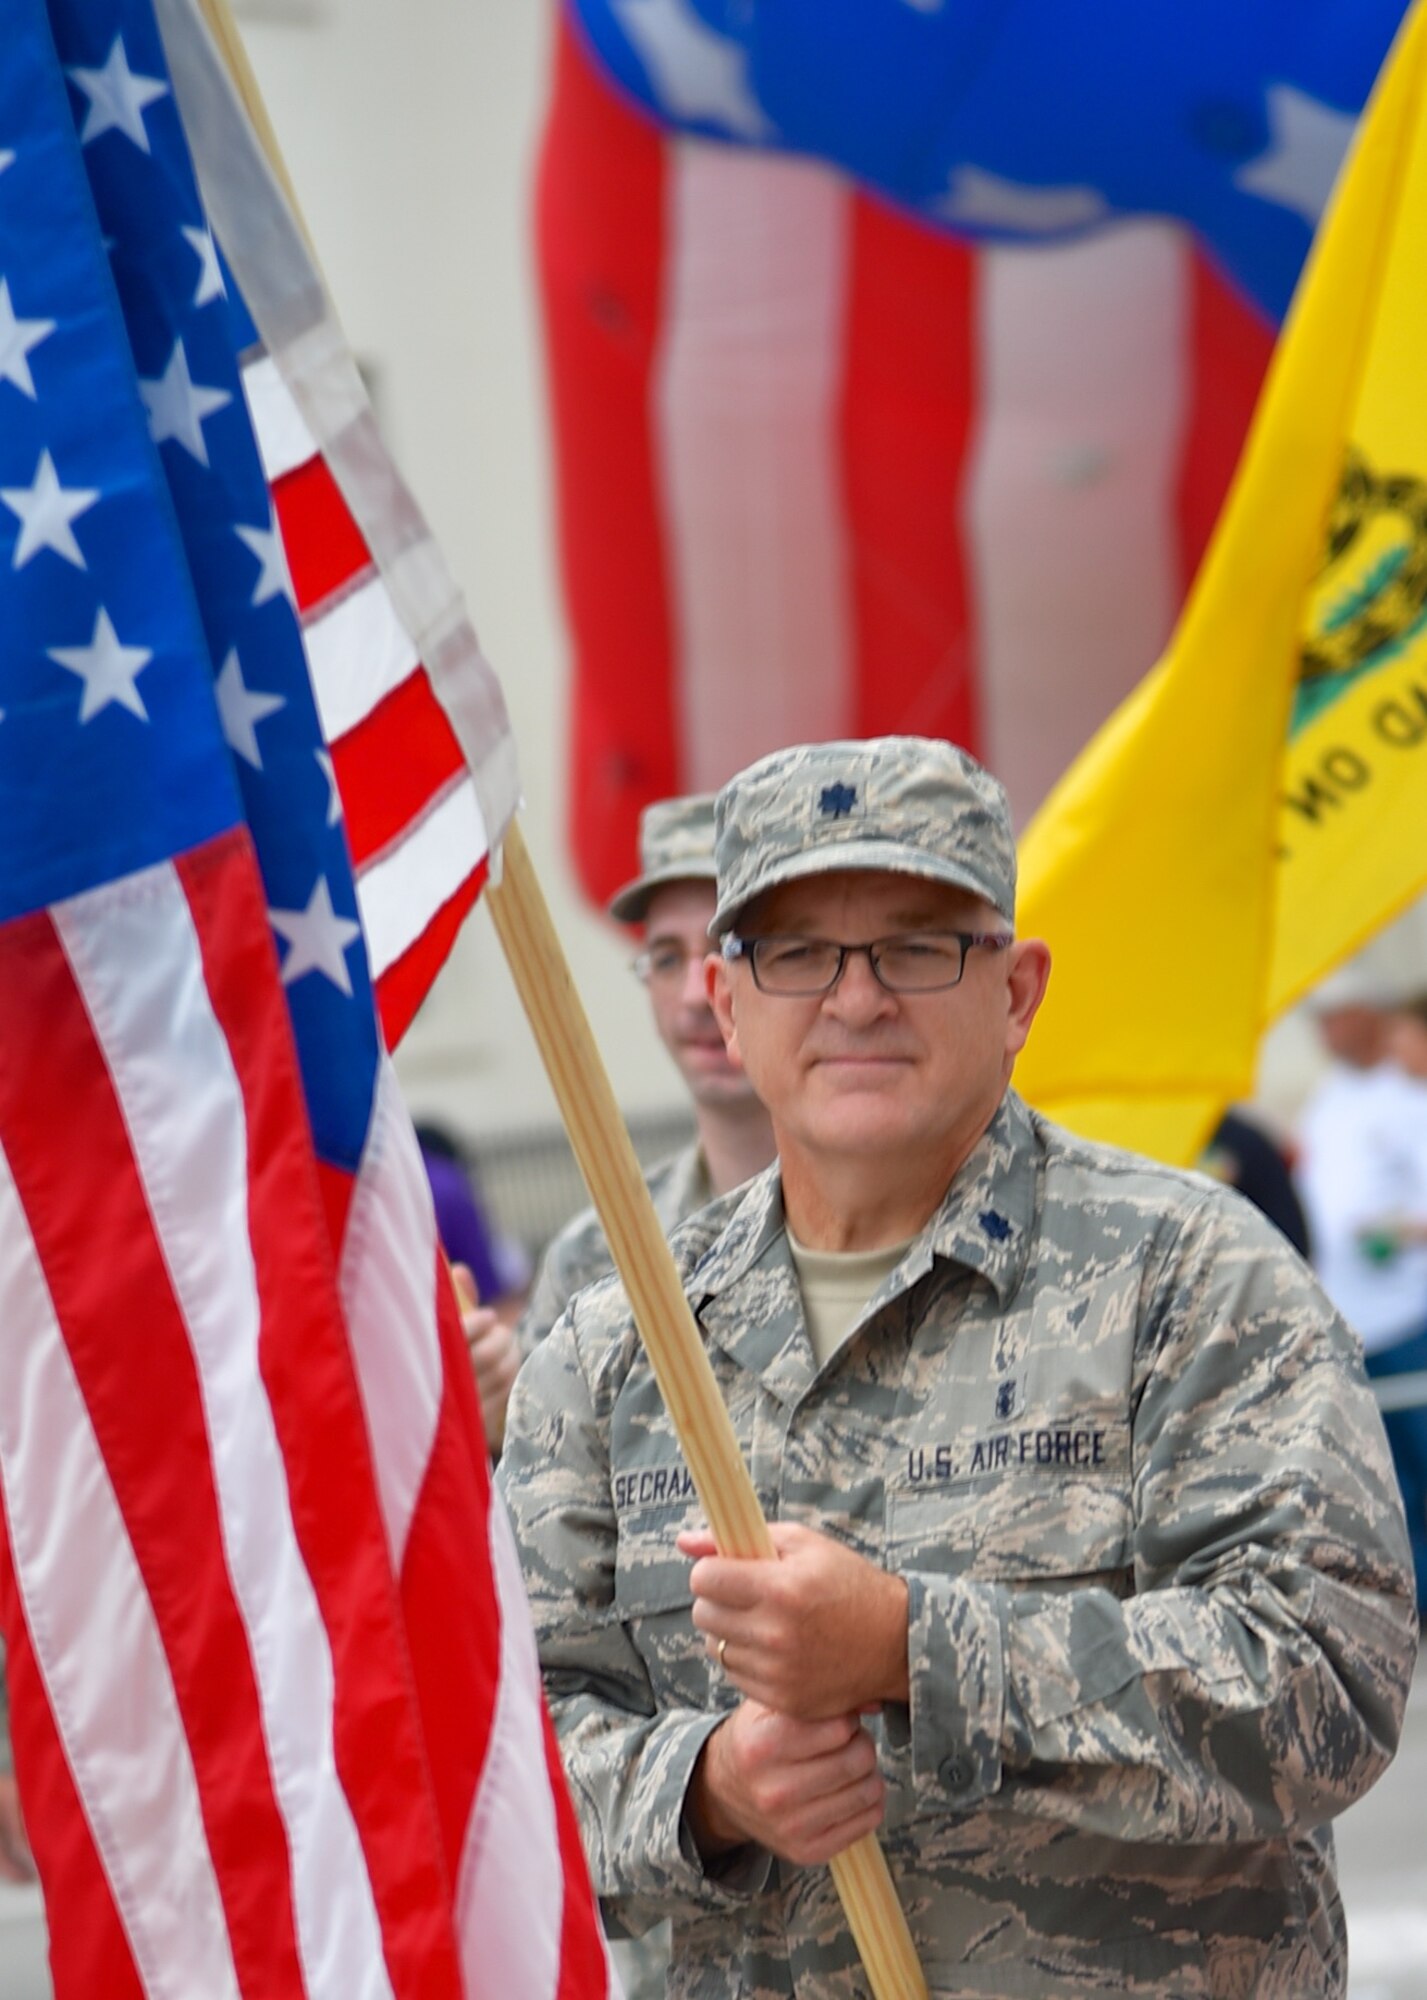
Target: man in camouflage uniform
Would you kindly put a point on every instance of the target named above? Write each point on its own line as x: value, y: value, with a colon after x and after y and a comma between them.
x: 672, y: 898
x: 1092, y: 1593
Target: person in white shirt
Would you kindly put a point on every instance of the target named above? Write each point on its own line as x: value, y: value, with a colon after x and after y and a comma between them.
x: 1362, y: 1176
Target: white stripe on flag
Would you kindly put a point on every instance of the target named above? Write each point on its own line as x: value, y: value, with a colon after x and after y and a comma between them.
x: 357, y: 653
x: 745, y: 416
x: 98, y: 1646
x: 389, y: 1266
x: 136, y: 957
x: 1084, y: 371
x: 284, y: 440
x: 402, y: 889
x: 509, y: 1893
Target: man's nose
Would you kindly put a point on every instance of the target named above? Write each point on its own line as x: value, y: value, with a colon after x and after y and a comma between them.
x: 859, y: 994
x: 694, y: 991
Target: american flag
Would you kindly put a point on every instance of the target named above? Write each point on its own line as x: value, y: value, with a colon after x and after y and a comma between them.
x: 824, y: 471
x: 275, y: 1702
x: 1026, y: 121
x: 415, y: 719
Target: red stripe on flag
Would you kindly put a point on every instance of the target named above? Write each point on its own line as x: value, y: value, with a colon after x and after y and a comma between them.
x: 448, y: 1590
x: 909, y: 391
x: 583, y: 1966
x: 88, y: 1948
x: 154, y: 1445
x: 600, y: 240
x: 334, y: 1187
x: 457, y: 1652
x: 324, y: 545
x: 391, y: 766
x: 407, y: 980
x: 1229, y: 348
x: 307, y: 1369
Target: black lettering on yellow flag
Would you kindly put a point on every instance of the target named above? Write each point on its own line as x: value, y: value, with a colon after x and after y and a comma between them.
x: 1359, y: 726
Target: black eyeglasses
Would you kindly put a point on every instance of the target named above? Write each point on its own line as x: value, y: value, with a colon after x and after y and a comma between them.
x: 919, y: 962
x: 665, y: 964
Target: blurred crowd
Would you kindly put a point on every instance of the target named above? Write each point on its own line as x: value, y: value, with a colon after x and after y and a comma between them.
x: 1349, y: 1191
x: 1362, y: 1173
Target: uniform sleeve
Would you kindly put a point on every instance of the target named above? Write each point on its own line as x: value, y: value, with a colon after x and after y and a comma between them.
x: 1254, y: 1680
x: 628, y: 1769
x: 574, y: 1258
x: 548, y: 1299
x: 580, y: 1254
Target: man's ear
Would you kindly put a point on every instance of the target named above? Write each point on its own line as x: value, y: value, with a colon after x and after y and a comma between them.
x: 1028, y: 974
x: 720, y: 991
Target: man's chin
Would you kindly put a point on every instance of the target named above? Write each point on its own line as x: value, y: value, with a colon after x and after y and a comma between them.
x: 717, y: 1085
x: 862, y: 1088
x: 710, y: 1079
x: 866, y: 1111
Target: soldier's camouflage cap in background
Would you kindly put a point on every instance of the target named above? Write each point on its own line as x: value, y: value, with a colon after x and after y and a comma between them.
x: 909, y: 804
x: 676, y: 844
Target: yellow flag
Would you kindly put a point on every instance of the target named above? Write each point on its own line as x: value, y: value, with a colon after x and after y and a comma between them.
x: 1258, y: 806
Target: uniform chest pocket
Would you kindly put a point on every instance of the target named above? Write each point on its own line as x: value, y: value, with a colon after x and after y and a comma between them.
x: 654, y: 1603
x: 1046, y: 1528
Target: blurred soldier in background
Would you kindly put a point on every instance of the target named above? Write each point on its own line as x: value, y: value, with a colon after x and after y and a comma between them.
x: 673, y: 898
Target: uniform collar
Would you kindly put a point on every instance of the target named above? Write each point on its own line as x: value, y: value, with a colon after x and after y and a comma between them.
x: 744, y: 1293
x: 988, y: 1213
x: 744, y: 1289
x: 755, y: 1223
x: 684, y: 1186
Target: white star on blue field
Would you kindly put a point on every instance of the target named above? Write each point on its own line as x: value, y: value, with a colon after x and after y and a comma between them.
x: 154, y: 692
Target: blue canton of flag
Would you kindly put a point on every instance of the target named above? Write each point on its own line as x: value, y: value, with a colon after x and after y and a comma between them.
x: 1025, y: 120
x: 141, y: 571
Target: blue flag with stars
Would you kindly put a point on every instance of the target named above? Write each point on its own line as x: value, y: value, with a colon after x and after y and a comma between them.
x: 1030, y: 120
x: 153, y: 685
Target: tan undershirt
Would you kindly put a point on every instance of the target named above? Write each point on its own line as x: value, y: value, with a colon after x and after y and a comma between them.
x: 836, y: 1285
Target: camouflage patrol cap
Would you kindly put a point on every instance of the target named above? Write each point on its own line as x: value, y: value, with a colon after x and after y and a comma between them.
x: 676, y: 844
x: 910, y: 804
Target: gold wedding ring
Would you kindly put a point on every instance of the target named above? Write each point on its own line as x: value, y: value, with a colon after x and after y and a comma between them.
x: 722, y: 1649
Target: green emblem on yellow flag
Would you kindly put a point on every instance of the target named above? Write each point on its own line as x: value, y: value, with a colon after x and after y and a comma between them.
x: 1371, y: 596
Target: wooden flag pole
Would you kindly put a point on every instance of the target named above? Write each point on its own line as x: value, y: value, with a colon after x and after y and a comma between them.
x: 224, y: 30
x: 666, y: 1326
x: 602, y: 1146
